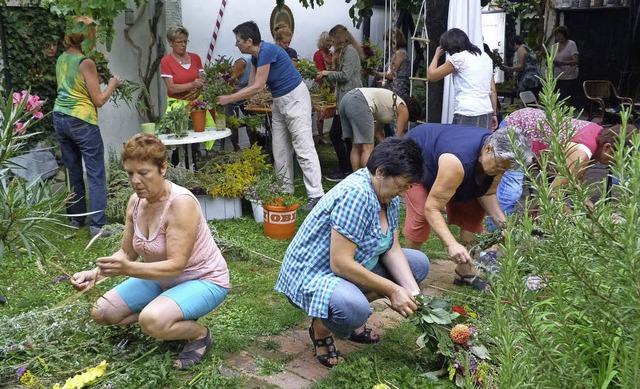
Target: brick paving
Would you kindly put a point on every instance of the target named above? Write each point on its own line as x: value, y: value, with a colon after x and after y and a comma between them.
x: 303, y: 369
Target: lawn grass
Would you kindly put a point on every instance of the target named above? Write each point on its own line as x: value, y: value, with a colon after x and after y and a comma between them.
x: 45, y: 328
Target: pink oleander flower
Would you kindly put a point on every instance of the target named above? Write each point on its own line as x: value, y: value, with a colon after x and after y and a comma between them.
x: 33, y: 105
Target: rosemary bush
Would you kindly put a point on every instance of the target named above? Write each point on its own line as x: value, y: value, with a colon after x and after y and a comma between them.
x: 581, y: 330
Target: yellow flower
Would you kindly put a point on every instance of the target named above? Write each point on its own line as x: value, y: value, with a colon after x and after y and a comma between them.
x: 80, y: 380
x: 29, y: 379
x: 470, y: 312
x: 381, y: 386
x: 452, y: 372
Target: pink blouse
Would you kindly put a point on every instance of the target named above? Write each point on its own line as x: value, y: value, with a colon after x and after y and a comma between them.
x: 206, y: 261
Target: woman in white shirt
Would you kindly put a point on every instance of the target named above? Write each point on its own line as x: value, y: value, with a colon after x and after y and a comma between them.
x: 472, y: 72
x: 565, y: 65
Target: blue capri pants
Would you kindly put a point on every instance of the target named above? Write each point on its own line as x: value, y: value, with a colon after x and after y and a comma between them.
x: 349, y: 308
x: 195, y: 298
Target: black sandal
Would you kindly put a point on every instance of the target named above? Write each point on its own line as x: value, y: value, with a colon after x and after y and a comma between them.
x: 327, y: 342
x: 471, y: 280
x: 189, y: 355
x: 364, y: 337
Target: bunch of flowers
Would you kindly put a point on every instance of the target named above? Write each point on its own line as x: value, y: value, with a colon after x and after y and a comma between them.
x: 197, y: 105
x: 32, y: 104
x: 218, y: 80
x: 372, y: 60
x: 451, y: 330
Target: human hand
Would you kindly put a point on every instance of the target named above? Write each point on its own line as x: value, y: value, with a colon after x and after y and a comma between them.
x: 323, y: 73
x: 439, y: 52
x: 115, y: 81
x: 459, y: 254
x: 402, y: 301
x: 84, y: 279
x: 198, y: 83
x: 494, y: 123
x: 224, y: 100
x: 112, y: 266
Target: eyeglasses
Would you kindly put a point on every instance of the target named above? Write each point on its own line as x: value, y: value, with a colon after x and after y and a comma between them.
x: 401, y: 188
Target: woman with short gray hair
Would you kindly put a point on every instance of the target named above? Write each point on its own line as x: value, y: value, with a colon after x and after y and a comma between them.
x: 463, y: 166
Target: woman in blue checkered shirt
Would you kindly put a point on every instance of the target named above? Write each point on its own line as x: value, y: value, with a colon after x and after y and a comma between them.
x: 347, y: 253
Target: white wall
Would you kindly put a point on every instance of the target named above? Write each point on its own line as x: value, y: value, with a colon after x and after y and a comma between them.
x: 493, y: 26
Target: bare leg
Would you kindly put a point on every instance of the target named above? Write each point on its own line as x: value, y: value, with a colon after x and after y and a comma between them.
x: 321, y: 332
x: 367, y: 149
x: 355, y: 156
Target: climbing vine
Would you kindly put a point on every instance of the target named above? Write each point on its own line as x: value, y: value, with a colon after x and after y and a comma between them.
x: 27, y: 31
x: 104, y: 12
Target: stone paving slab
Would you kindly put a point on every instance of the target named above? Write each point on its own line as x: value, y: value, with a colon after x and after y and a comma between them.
x: 303, y: 369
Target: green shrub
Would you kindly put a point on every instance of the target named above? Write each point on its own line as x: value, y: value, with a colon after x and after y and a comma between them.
x: 581, y: 330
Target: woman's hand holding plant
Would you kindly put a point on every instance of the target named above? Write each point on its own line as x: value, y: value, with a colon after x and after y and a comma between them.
x: 402, y: 301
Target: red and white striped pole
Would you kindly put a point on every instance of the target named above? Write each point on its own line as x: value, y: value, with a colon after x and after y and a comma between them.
x: 215, y: 32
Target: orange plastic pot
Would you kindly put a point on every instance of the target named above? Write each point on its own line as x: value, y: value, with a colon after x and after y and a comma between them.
x: 198, y: 119
x: 279, y: 221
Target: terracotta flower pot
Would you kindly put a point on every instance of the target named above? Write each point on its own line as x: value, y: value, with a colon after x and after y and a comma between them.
x: 198, y: 118
x: 279, y: 221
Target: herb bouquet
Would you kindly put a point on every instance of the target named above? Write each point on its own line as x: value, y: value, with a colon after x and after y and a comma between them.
x: 451, y: 331
x: 124, y: 92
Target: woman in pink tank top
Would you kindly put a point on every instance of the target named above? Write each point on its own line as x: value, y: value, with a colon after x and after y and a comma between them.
x: 182, y: 274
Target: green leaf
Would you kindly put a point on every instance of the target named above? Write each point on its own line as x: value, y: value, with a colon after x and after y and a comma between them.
x: 440, y: 316
x: 480, y: 351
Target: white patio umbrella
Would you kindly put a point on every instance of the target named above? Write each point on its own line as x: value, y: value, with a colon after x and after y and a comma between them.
x: 465, y: 15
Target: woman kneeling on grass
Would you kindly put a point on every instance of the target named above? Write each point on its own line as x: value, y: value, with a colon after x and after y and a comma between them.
x: 347, y: 253
x: 182, y: 275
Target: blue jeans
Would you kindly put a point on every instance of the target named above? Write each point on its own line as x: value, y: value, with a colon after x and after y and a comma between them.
x: 349, y: 308
x: 508, y: 193
x: 81, y: 141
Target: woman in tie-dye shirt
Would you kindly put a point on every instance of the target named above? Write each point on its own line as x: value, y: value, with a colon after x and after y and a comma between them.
x: 75, y: 119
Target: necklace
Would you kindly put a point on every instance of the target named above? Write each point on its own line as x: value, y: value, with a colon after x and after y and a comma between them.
x: 181, y: 59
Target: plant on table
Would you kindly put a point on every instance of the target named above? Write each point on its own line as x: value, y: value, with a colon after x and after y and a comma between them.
x: 29, y: 209
x: 228, y: 173
x: 197, y: 105
x: 307, y: 68
x: 175, y: 122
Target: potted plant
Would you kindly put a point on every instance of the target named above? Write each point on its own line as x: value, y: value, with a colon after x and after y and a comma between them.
x: 174, y: 122
x: 218, y: 81
x: 224, y: 178
x: 198, y: 112
x: 252, y: 122
x: 280, y: 207
x: 233, y: 122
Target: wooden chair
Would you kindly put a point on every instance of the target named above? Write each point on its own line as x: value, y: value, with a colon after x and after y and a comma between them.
x: 603, y: 99
x: 528, y: 99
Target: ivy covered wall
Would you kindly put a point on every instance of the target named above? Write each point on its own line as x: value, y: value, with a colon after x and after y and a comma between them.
x: 25, y: 33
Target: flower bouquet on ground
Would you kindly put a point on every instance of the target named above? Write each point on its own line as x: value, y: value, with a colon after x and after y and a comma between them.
x: 124, y: 92
x: 451, y: 331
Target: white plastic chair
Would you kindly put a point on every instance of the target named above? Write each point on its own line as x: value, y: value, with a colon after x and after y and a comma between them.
x: 528, y: 99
